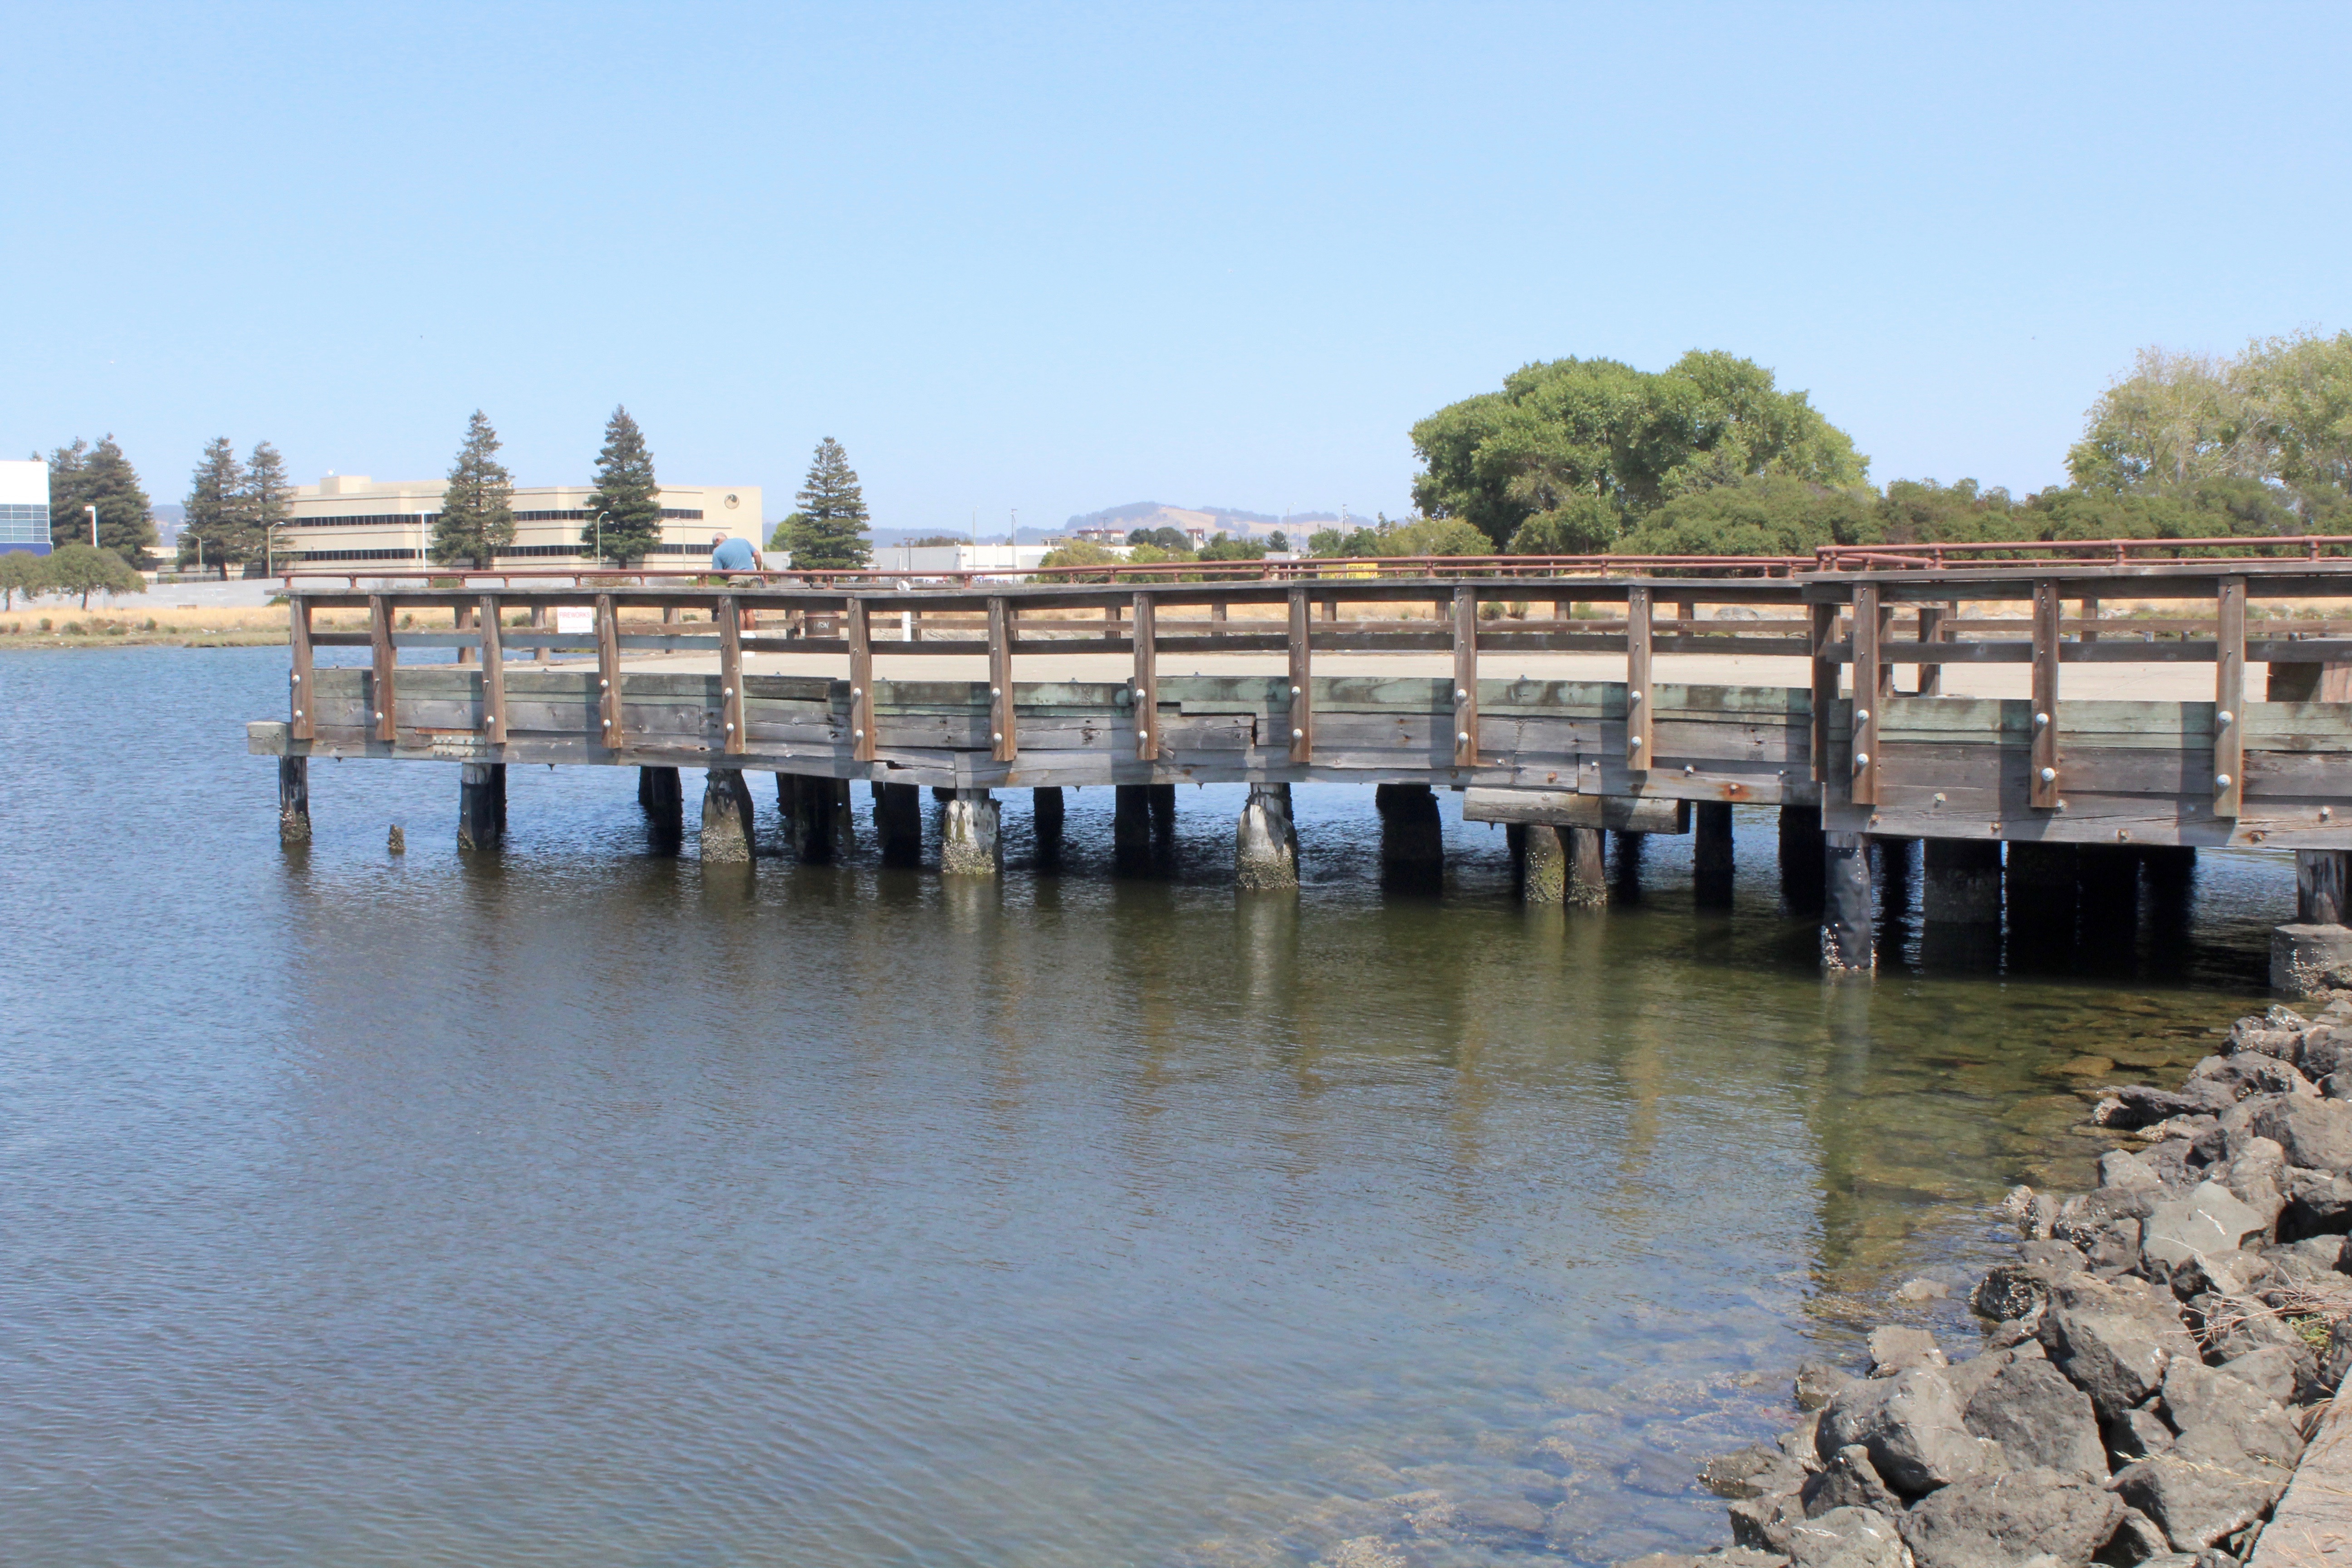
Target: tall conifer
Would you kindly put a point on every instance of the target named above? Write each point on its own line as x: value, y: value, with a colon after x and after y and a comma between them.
x: 476, y: 510
x: 126, y: 524
x: 268, y: 500
x: 68, y: 488
x: 214, y: 532
x: 831, y: 531
x: 625, y: 491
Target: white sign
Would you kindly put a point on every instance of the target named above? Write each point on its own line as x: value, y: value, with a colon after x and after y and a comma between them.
x: 574, y: 618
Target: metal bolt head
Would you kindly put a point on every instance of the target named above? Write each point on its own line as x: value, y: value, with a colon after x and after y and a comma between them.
x: 998, y: 737
x: 2040, y: 720
x: 2049, y: 775
x: 1862, y: 759
x: 1298, y: 734
x: 2225, y: 716
x: 1862, y: 715
x: 1294, y: 692
x: 1143, y: 734
x: 2221, y: 780
x: 1461, y: 738
x: 1634, y: 743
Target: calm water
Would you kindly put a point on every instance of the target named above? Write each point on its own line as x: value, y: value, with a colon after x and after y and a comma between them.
x: 579, y: 1206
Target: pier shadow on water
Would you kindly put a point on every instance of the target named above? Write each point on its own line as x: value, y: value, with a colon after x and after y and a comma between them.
x: 586, y: 1202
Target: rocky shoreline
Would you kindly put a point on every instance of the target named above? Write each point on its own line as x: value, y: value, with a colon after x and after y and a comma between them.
x: 2153, y: 1364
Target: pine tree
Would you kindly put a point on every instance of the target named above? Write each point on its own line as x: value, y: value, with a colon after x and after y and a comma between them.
x: 830, y: 534
x: 126, y: 524
x: 268, y: 500
x: 213, y: 531
x: 69, y: 490
x: 477, y: 517
x: 625, y: 495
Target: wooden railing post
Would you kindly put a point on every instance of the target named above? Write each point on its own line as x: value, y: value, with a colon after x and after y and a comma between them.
x: 861, y: 679
x: 1146, y: 695
x: 1302, y: 683
x: 2230, y: 697
x: 1003, y: 739
x: 494, y: 672
x: 1640, y: 734
x: 730, y: 674
x: 303, y: 726
x: 387, y: 714
x: 2043, y: 784
x: 608, y: 670
x: 1931, y: 630
x: 1825, y: 687
x: 1465, y: 677
x: 461, y: 617
x: 1869, y: 692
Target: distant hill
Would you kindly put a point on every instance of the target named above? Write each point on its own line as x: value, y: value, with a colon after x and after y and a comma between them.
x: 1230, y: 519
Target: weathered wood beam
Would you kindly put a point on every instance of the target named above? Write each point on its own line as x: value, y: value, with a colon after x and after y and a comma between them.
x: 2230, y: 697
x: 1466, y: 677
x: 299, y: 686
x: 1639, y: 730
x: 1004, y: 738
x: 730, y: 618
x: 2046, y: 781
x: 863, y: 733
x: 1146, y: 691
x: 1932, y: 630
x: 494, y: 672
x: 608, y: 671
x: 1870, y: 675
x: 1825, y: 687
x: 1302, y: 680
x: 386, y: 693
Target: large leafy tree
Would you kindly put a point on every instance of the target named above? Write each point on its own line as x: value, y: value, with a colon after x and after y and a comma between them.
x: 1571, y: 451
x: 477, y: 517
x: 126, y: 524
x: 214, y: 532
x: 831, y: 531
x: 625, y: 493
x: 267, y: 499
x: 80, y: 569
x: 1762, y: 514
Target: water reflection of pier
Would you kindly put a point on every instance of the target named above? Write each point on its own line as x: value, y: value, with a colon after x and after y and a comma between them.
x: 2047, y: 808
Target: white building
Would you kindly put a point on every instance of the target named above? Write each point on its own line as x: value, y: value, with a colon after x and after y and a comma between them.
x: 948, y: 558
x: 346, y: 519
x: 25, y: 506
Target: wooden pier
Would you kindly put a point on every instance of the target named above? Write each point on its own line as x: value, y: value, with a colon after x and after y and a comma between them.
x: 1850, y: 752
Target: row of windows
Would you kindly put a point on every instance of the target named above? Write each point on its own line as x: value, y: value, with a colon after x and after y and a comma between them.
x: 23, y: 523
x: 526, y: 549
x: 408, y: 519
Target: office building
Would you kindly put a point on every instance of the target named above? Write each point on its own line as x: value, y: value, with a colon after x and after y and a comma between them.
x: 24, y: 507
x: 350, y: 519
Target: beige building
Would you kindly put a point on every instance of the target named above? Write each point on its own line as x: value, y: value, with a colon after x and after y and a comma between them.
x: 348, y: 518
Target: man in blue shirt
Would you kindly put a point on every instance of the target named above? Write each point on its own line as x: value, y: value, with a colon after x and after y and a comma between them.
x: 727, y: 554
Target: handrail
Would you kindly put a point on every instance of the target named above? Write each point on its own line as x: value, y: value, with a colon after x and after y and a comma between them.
x: 2108, y: 551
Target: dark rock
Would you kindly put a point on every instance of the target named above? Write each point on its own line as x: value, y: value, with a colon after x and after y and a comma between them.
x: 1725, y: 1557
x: 2338, y: 1085
x: 2112, y: 1337
x: 2137, y: 1540
x: 2122, y: 1168
x: 1847, y: 1538
x: 2017, y: 1291
x: 2169, y: 1160
x: 1894, y: 1350
x: 2223, y: 1418
x: 2283, y: 1373
x: 1818, y: 1382
x: 2194, y: 1501
x: 1801, y: 1442
x: 2136, y: 1434
x: 2251, y: 1073
x: 2114, y: 1248
x: 1762, y: 1523
x: 2228, y: 1273
x: 2230, y: 1326
x: 2209, y: 1219
x: 2041, y: 1420
x: 2031, y: 1517
x: 1913, y: 1425
x: 2314, y: 1133
x: 1751, y: 1473
x: 2327, y: 1051
x: 2318, y: 1203
x: 2131, y: 1105
x: 2263, y: 1038
x: 1848, y: 1479
x: 1969, y: 1377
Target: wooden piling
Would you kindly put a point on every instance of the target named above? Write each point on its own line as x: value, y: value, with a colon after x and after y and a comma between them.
x: 807, y: 808
x: 1046, y: 808
x: 1588, y: 867
x: 1541, y: 860
x: 1266, y: 841
x: 2320, y: 887
x: 726, y: 817
x: 1162, y: 800
x: 294, y: 800
x: 660, y: 791
x: 1412, y: 835
x: 968, y: 845
x: 1802, y: 859
x: 2039, y: 892
x: 1711, y: 853
x: 898, y: 823
x: 481, y: 816
x: 1848, y: 943
x: 1130, y: 819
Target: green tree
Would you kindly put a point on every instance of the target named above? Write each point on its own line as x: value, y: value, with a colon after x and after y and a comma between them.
x: 831, y: 533
x: 126, y: 524
x: 476, y: 517
x: 2176, y: 419
x: 1078, y: 552
x: 1226, y: 547
x: 214, y: 532
x: 268, y: 500
x: 1278, y: 541
x: 782, y: 539
x: 80, y: 569
x: 21, y: 572
x: 1595, y: 444
x: 1764, y: 514
x: 2301, y: 387
x: 625, y: 495
x: 69, y: 492
x: 1164, y: 538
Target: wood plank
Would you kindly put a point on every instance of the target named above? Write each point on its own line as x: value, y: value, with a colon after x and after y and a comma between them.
x: 1004, y: 738
x: 2228, y: 783
x: 864, y: 737
x: 733, y: 722
x: 1466, y: 677
x: 1870, y: 677
x: 1567, y: 808
x: 608, y: 671
x: 1637, y: 677
x: 494, y: 671
x: 301, y: 687
x: 1301, y: 714
x: 2047, y: 781
x: 1144, y: 695
x: 1932, y: 629
x: 387, y: 692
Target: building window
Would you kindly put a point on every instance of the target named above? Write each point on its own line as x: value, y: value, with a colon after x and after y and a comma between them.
x: 23, y: 523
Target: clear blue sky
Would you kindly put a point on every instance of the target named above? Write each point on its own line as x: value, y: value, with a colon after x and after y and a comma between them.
x: 1061, y: 258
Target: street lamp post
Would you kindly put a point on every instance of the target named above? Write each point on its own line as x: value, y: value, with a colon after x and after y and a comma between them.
x: 93, y: 525
x: 600, y: 537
